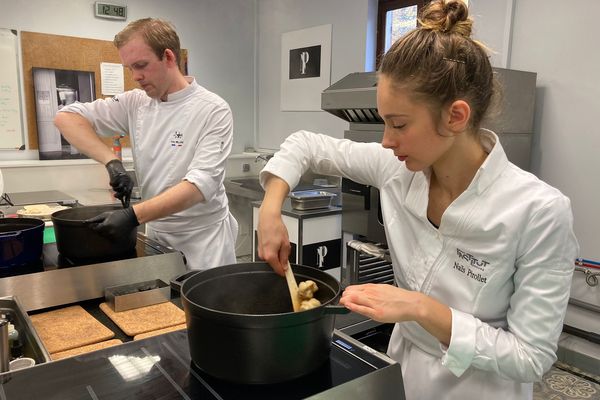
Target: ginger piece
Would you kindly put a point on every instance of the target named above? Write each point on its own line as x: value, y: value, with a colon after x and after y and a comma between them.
x: 309, y: 304
x: 307, y: 289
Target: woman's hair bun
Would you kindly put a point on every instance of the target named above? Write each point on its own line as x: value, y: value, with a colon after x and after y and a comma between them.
x: 447, y: 16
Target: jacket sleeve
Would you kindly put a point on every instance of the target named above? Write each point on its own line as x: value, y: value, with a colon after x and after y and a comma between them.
x: 207, y: 168
x: 526, y: 349
x: 107, y: 116
x: 303, y: 151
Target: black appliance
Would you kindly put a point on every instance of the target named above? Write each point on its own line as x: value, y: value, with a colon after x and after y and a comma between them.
x: 55, y: 280
x: 160, y: 368
x: 51, y: 259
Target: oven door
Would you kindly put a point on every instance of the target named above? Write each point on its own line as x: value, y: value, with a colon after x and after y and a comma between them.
x: 361, y: 212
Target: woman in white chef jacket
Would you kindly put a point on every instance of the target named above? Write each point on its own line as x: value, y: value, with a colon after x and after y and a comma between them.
x: 483, y: 252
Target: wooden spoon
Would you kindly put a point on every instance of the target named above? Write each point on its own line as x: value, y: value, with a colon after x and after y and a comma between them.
x: 293, y: 287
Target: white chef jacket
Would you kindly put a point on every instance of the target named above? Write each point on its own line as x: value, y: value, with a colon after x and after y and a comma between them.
x: 188, y: 137
x: 502, y: 260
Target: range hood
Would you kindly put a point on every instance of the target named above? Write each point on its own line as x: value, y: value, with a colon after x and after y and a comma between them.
x: 353, y: 98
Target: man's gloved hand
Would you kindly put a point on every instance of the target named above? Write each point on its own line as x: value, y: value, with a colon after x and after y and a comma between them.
x: 114, y: 224
x: 120, y: 181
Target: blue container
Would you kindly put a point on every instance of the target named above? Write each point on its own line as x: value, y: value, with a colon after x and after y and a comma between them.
x: 21, y: 241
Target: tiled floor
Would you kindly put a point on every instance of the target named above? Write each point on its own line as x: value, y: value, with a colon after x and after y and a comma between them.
x: 564, y: 382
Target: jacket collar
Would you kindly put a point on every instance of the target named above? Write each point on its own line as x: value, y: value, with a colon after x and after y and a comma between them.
x: 183, y: 93
x: 494, y: 164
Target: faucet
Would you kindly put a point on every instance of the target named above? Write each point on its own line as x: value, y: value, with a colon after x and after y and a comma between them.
x: 264, y: 157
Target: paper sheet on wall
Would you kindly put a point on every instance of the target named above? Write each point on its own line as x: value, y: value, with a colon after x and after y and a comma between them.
x: 305, y: 68
x: 11, y: 125
x: 112, y: 78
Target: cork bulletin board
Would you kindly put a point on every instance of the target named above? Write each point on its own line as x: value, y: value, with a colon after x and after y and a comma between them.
x: 70, y: 53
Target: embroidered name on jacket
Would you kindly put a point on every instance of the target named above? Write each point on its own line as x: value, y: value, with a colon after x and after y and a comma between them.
x: 177, y: 139
x: 471, y: 266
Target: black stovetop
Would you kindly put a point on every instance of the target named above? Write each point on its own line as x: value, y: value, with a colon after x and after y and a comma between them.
x: 160, y: 368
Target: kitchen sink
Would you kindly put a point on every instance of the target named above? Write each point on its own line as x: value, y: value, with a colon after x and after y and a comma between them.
x: 31, y: 342
x: 248, y: 183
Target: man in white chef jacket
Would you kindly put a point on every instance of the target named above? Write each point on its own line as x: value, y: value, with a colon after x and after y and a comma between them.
x: 181, y: 135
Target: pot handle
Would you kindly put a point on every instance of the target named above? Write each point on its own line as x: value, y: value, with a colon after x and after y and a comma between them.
x: 335, y: 309
x: 177, y: 282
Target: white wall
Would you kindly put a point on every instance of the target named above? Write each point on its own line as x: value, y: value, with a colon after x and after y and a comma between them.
x: 552, y: 40
x: 493, y: 27
x: 353, y: 50
x: 219, y: 35
x: 349, y: 20
x: 558, y: 41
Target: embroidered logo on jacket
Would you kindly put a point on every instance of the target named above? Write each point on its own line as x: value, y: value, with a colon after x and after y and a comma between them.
x: 177, y: 139
x: 471, y: 266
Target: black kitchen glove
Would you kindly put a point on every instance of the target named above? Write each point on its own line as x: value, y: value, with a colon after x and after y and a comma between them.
x: 114, y: 224
x: 120, y: 181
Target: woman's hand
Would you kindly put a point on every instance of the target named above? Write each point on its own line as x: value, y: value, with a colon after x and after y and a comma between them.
x: 273, y: 241
x: 380, y: 302
x: 387, y: 303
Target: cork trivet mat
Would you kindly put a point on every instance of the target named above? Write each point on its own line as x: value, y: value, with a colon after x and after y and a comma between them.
x: 68, y: 328
x: 145, y: 319
x: 85, y: 349
x: 159, y: 332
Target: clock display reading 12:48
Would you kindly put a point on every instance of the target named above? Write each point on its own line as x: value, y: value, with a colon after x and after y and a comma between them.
x: 111, y: 11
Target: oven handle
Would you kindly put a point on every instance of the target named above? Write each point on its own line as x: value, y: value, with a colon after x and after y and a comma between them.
x: 357, y: 189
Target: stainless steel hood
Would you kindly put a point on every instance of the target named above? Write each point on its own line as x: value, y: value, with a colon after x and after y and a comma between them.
x: 353, y: 98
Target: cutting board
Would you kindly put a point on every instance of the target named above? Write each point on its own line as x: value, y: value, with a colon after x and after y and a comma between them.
x: 159, y: 332
x: 85, y: 349
x: 145, y: 319
x: 69, y: 327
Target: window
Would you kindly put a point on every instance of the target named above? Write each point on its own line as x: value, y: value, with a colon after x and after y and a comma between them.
x: 394, y: 19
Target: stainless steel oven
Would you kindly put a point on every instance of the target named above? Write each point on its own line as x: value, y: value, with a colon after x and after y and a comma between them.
x: 361, y: 206
x: 354, y: 99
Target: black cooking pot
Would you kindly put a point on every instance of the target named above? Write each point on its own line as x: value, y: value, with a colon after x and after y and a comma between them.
x: 76, y: 239
x: 241, y: 327
x: 21, y: 241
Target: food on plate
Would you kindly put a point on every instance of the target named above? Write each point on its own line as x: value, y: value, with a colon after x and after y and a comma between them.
x: 306, y: 291
x: 39, y: 210
x: 36, y: 209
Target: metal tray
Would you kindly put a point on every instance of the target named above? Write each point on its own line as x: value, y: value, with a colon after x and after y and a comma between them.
x: 310, y: 199
x: 33, y: 346
x: 136, y: 295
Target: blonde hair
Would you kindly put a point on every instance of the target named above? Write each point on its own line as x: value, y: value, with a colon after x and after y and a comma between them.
x: 439, y: 62
x: 158, y: 34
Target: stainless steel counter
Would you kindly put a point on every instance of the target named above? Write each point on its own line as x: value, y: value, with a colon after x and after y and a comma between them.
x: 244, y: 187
x: 287, y: 209
x: 70, y: 285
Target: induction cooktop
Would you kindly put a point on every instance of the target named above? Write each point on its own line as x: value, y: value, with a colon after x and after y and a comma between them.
x: 160, y: 368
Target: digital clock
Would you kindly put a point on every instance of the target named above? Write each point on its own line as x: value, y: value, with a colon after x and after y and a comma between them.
x: 111, y: 11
